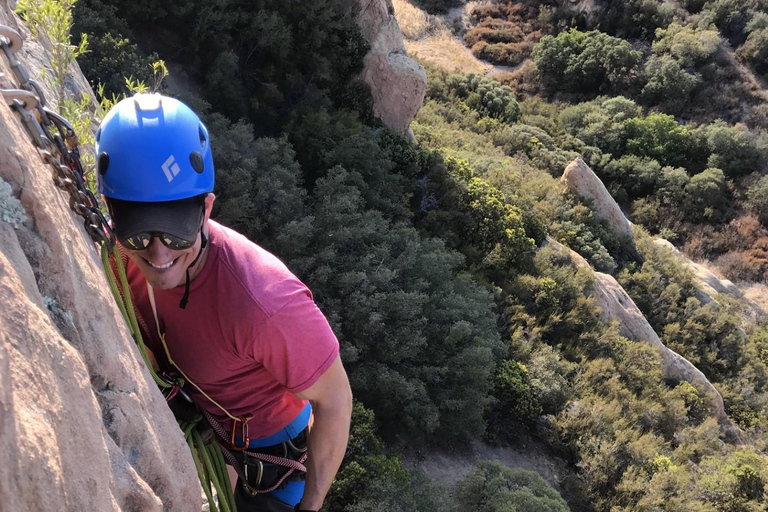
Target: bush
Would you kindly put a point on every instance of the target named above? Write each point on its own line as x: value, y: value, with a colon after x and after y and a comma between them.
x: 739, y: 266
x: 514, y: 399
x: 586, y: 62
x: 633, y: 19
x: 730, y: 16
x: 491, y: 487
x: 661, y: 138
x: 755, y: 50
x: 757, y: 200
x: 734, y: 149
x: 690, y: 46
x: 601, y: 122
x: 707, y: 196
x: 667, y: 83
x: 485, y: 95
x: 637, y: 175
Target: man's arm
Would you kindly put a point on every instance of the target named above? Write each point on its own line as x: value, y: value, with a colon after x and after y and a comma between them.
x: 331, y: 399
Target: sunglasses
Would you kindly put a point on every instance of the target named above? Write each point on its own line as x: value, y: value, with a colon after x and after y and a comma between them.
x: 143, y: 240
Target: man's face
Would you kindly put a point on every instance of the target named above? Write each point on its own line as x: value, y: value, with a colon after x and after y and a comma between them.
x: 165, y: 268
x: 162, y: 267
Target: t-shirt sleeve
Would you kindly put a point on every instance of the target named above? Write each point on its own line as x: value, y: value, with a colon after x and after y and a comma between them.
x: 296, y: 344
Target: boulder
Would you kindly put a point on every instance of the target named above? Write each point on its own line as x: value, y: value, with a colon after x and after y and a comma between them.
x: 708, y: 283
x: 398, y: 83
x: 82, y: 424
x: 584, y: 183
x: 616, y: 305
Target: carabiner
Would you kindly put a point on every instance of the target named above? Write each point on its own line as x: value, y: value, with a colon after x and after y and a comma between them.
x: 243, y: 430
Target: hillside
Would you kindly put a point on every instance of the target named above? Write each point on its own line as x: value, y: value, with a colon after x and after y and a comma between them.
x: 500, y: 270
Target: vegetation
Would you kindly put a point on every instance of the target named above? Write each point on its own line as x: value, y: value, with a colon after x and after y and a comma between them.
x: 438, y: 265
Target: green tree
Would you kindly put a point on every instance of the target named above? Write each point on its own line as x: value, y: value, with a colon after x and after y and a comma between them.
x: 514, y: 399
x: 667, y: 83
x: 418, y: 337
x: 688, y: 45
x: 661, y: 138
x: 585, y: 62
x: 491, y: 487
x: 485, y: 95
x: 367, y: 469
x: 631, y: 19
x: 734, y: 149
x: 707, y: 195
x: 637, y: 175
x: 755, y: 50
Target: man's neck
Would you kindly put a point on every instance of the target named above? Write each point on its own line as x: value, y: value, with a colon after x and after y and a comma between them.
x: 198, y: 268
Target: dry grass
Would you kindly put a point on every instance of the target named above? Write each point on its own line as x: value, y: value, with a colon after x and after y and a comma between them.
x: 414, y: 22
x: 446, y: 51
x: 757, y: 293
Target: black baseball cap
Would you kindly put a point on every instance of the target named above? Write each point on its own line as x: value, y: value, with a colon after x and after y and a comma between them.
x: 181, y: 218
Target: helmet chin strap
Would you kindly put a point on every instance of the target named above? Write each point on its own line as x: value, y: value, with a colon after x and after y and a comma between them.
x: 203, y: 243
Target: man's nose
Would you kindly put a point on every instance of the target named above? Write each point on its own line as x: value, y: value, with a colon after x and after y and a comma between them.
x: 156, y: 247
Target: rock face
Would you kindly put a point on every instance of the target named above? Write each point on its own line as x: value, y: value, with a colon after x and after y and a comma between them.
x: 82, y: 425
x: 583, y: 182
x: 398, y: 83
x: 709, y: 284
x: 616, y: 304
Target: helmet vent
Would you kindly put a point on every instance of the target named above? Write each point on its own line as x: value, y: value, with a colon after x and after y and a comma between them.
x: 203, y: 138
x: 148, y: 102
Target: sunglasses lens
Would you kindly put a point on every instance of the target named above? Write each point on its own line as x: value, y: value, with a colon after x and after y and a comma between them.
x: 138, y: 241
x: 175, y: 243
x: 141, y: 241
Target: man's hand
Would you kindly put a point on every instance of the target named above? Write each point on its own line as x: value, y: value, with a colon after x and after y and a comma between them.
x: 331, y: 399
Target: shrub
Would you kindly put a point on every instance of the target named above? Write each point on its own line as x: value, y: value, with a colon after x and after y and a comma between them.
x: 633, y: 18
x: 600, y: 122
x: 514, y: 399
x: 491, y: 487
x: 660, y: 137
x: 585, y: 62
x: 734, y: 149
x: 667, y: 83
x: 505, y: 54
x: 730, y: 16
x: 485, y: 95
x: 738, y: 266
x: 690, y: 46
x: 707, y: 196
x: 757, y: 200
x: 637, y: 175
x: 755, y: 50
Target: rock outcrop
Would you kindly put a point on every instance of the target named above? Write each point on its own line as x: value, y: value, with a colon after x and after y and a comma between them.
x: 398, y: 83
x: 583, y: 182
x: 616, y: 305
x: 82, y: 424
x: 709, y: 284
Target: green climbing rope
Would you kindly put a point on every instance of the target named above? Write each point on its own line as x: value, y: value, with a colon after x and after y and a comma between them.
x: 209, y: 461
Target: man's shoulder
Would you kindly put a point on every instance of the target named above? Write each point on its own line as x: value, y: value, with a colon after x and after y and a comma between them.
x: 258, y: 272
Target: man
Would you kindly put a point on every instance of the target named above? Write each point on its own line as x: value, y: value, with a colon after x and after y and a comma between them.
x: 258, y: 355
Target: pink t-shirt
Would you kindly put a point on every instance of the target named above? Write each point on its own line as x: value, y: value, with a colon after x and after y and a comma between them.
x: 250, y: 336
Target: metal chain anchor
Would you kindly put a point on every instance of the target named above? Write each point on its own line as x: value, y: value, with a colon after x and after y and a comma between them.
x: 54, y: 136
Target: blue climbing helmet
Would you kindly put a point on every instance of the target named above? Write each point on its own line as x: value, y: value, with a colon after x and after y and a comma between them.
x: 152, y: 148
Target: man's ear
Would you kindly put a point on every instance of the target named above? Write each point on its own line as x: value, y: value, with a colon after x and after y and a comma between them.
x: 209, y: 199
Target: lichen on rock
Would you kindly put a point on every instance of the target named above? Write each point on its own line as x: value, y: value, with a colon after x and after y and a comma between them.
x: 11, y: 210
